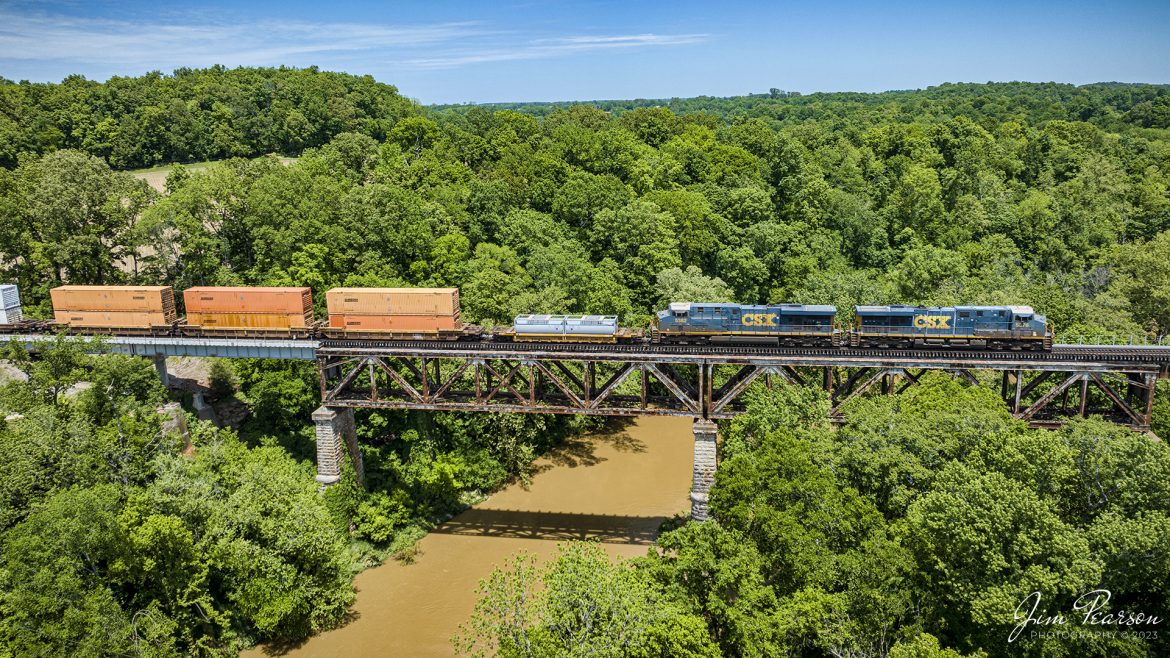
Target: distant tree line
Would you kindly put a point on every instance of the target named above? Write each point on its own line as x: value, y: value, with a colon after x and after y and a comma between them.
x: 1111, y: 105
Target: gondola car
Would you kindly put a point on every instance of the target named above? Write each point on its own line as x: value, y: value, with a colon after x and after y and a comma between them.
x: 789, y: 325
x: 567, y: 329
x: 993, y: 327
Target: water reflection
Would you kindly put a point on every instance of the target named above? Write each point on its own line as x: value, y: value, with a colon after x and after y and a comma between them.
x: 554, y: 526
x: 615, y: 488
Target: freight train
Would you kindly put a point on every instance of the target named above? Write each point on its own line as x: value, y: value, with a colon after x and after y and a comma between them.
x: 412, y: 314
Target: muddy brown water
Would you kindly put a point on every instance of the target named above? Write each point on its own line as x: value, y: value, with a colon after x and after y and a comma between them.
x: 615, y: 488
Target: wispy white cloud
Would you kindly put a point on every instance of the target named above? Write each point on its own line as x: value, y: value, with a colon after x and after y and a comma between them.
x: 29, y: 36
x: 115, y: 42
x: 555, y: 47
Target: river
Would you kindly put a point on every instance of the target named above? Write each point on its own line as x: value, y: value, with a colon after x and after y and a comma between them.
x: 615, y: 488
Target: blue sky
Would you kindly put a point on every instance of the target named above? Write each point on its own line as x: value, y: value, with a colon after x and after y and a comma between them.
x: 444, y: 52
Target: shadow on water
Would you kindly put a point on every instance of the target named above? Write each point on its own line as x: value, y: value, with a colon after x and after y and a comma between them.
x: 553, y: 526
x: 284, y: 647
x: 582, y: 451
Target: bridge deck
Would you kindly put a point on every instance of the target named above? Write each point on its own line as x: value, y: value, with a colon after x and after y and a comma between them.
x: 703, y: 381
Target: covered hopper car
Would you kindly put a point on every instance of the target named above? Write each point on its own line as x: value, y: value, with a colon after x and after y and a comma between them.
x: 567, y: 329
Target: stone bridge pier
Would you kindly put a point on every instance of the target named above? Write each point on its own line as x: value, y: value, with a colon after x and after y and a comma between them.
x: 703, y: 475
x: 336, y: 431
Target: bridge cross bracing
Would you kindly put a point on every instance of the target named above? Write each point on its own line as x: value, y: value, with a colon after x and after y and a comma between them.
x: 710, y: 382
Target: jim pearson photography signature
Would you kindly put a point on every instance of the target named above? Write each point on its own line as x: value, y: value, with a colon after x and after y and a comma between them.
x: 1089, y: 610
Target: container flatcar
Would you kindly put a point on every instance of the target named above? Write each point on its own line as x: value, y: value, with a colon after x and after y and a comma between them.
x: 241, y: 311
x: 142, y: 310
x: 790, y: 325
x: 397, y: 314
x: 993, y: 327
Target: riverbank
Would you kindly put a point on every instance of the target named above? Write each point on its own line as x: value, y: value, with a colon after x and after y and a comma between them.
x: 615, y: 488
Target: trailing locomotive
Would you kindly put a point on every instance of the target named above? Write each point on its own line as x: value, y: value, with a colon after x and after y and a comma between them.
x: 413, y: 314
x: 789, y: 325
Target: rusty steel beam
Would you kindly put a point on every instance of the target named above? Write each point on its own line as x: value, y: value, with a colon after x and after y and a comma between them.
x: 566, y: 381
x: 569, y: 393
x: 877, y: 376
x: 1048, y: 397
x: 1121, y: 404
x: 672, y: 386
x: 728, y: 395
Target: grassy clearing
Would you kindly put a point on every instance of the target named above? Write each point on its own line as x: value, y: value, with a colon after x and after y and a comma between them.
x: 156, y: 177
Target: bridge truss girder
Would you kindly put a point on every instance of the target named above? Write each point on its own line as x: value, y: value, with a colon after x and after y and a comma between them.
x: 706, y: 386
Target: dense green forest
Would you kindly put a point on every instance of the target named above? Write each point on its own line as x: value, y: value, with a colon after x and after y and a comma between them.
x: 1042, y: 194
x: 913, y: 531
x: 193, y: 115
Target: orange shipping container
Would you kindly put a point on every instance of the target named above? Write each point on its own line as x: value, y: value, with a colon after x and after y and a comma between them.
x: 287, y: 301
x: 140, y: 299
x: 112, y: 319
x: 394, y: 322
x: 247, y: 320
x: 393, y: 301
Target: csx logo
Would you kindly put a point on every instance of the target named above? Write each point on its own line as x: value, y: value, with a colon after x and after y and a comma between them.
x: 759, y: 319
x: 932, y: 321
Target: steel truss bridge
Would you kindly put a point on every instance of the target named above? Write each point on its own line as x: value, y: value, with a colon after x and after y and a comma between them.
x: 706, y: 383
x: 1042, y: 388
x: 709, y: 382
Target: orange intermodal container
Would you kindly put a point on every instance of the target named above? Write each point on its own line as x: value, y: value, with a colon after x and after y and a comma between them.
x: 118, y: 299
x: 393, y: 301
x: 249, y: 320
x: 394, y: 322
x: 283, y: 301
x: 134, y: 319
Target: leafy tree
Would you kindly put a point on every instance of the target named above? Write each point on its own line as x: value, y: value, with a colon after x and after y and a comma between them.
x: 675, y: 285
x: 584, y: 606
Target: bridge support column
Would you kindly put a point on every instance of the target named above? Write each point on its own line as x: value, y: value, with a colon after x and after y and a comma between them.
x: 203, y: 410
x: 160, y: 366
x: 703, y: 475
x: 335, y: 427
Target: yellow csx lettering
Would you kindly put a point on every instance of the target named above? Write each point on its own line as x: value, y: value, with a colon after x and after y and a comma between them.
x: 759, y: 320
x: 932, y: 321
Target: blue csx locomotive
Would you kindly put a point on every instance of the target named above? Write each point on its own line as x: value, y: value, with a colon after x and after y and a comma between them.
x: 814, y: 325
